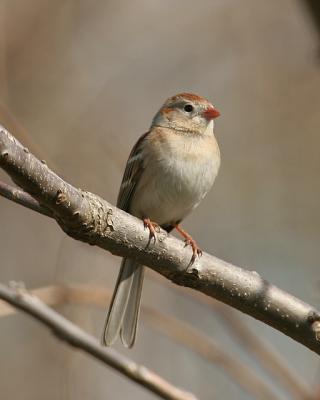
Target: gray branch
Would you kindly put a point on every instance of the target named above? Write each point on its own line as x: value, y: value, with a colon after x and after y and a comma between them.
x: 87, y: 217
x: 173, y: 328
x: 76, y: 337
x: 23, y: 198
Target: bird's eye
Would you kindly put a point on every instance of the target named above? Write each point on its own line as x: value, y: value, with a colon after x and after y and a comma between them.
x: 188, y: 108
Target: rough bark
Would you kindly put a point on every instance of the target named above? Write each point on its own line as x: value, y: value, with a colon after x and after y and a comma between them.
x: 87, y: 217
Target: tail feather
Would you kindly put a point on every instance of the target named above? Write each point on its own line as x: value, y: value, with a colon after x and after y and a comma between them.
x: 127, y: 293
x: 130, y: 320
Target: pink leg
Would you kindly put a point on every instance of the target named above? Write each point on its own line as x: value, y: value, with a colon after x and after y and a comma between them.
x: 152, y: 226
x: 189, y: 242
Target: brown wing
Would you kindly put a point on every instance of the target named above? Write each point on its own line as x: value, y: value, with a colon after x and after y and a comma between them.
x: 131, y: 176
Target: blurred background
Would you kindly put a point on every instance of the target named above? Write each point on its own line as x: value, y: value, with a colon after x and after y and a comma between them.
x: 79, y: 82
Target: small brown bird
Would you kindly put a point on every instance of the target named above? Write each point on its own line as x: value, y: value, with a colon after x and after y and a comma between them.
x: 169, y: 171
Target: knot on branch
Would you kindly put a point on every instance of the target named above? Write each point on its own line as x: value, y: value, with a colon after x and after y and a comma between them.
x: 190, y: 278
x: 89, y: 219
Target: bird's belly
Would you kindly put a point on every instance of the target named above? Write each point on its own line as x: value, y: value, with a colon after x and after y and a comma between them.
x: 169, y: 192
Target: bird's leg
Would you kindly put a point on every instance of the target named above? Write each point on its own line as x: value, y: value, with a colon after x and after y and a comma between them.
x: 152, y: 226
x: 196, y: 251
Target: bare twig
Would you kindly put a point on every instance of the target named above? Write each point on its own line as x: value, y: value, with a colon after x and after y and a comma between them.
x: 23, y: 198
x: 268, y: 358
x: 76, y: 337
x: 87, y: 217
x: 173, y: 328
x: 184, y: 334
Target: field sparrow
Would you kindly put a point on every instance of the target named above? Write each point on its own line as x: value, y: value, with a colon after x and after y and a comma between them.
x: 169, y: 171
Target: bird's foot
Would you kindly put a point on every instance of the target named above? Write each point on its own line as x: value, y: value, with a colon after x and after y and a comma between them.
x: 153, y: 227
x: 189, y: 241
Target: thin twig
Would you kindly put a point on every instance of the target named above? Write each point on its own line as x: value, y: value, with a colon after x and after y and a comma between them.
x: 87, y: 217
x: 23, y: 198
x: 267, y: 357
x: 76, y: 337
x: 173, y: 328
x: 184, y: 334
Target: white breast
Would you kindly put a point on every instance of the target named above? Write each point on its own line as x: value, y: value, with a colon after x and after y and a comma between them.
x: 178, y: 173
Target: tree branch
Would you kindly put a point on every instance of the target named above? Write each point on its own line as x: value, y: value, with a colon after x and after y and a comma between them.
x: 76, y: 337
x: 181, y: 332
x: 269, y: 359
x: 87, y: 217
x: 23, y: 198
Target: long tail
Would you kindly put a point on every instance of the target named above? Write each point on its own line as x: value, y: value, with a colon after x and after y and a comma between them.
x: 125, y: 304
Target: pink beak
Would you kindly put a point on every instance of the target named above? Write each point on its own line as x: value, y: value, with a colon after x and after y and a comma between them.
x: 211, y: 113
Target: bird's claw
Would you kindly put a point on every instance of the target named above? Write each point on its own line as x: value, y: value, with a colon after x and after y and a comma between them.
x: 153, y: 227
x: 196, y: 251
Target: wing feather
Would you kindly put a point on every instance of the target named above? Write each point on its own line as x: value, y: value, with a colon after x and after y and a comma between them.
x: 132, y: 173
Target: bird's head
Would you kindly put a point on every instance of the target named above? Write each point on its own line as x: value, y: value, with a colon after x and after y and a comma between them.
x: 188, y: 113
